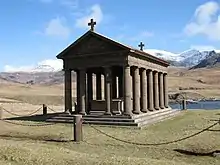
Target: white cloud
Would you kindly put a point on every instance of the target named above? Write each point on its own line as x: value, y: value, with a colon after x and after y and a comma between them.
x: 57, y: 27
x: 45, y: 65
x: 203, y: 47
x: 95, y: 12
x: 205, y: 21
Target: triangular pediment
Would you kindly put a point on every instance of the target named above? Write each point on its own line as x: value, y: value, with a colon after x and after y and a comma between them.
x: 92, y: 43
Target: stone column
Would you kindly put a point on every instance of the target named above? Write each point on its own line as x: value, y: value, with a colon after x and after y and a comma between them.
x: 161, y: 91
x: 77, y: 91
x: 82, y: 92
x: 108, y: 90
x: 143, y: 90
x: 98, y: 86
x: 127, y: 91
x: 150, y: 91
x: 90, y: 90
x: 114, y: 86
x: 156, y: 91
x: 166, y: 98
x: 68, y: 90
x: 120, y: 85
x: 136, y: 96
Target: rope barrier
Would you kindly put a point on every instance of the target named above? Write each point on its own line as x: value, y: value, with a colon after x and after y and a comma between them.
x: 12, y: 113
x: 154, y: 144
x: 51, y: 109
x: 106, y: 134
x: 28, y: 125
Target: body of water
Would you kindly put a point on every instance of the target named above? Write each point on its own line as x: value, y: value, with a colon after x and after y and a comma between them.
x: 199, y: 105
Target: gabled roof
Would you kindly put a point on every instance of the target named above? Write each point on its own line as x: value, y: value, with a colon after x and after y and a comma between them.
x: 123, y: 46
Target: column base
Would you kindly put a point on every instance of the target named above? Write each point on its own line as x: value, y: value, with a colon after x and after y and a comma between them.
x: 144, y: 110
x: 150, y: 109
x: 136, y: 112
x: 82, y: 113
x: 127, y: 114
x: 108, y: 113
x: 162, y: 107
x: 157, y: 108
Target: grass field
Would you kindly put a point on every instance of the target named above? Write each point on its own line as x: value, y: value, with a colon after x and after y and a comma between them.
x: 52, y: 144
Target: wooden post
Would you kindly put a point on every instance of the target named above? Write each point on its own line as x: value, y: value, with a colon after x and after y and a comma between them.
x: 44, y: 110
x: 1, y: 113
x: 183, y: 104
x: 77, y: 128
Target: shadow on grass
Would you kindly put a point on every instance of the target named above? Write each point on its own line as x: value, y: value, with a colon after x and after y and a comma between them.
x: 214, y: 130
x: 35, y: 138
x: 36, y: 118
x: 194, y: 153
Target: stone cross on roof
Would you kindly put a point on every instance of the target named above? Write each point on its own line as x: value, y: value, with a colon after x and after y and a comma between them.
x: 92, y: 24
x: 141, y: 46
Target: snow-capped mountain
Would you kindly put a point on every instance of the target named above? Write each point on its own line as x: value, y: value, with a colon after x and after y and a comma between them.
x: 187, y: 58
x: 44, y: 68
x: 192, y: 57
x: 164, y: 54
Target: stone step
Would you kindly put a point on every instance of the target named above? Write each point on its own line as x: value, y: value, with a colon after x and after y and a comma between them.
x: 158, y: 118
x: 113, y: 118
x: 110, y: 120
x: 94, y: 119
x: 101, y: 115
x: 155, y: 115
x: 96, y: 122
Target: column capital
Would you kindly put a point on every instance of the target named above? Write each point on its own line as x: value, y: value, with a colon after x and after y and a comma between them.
x: 135, y: 66
x: 143, y: 69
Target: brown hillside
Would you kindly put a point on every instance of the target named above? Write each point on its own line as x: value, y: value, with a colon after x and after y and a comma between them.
x: 197, y: 82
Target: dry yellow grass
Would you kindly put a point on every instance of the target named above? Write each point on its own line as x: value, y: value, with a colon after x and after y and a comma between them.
x: 42, y: 145
x: 206, y: 80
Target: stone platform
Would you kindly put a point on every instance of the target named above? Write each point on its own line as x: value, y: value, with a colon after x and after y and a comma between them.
x: 117, y: 120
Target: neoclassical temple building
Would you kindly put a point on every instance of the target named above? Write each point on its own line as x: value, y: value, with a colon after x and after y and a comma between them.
x: 135, y: 82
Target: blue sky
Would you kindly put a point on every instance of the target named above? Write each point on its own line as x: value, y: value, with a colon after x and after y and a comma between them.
x: 35, y: 31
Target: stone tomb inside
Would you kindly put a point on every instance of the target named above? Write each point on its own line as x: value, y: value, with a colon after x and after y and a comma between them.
x: 135, y: 82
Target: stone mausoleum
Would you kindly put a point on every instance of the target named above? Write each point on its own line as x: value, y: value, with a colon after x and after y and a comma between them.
x: 135, y: 82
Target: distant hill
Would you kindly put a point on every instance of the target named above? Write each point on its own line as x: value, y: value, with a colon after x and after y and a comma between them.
x: 212, y: 60
x: 39, y: 78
